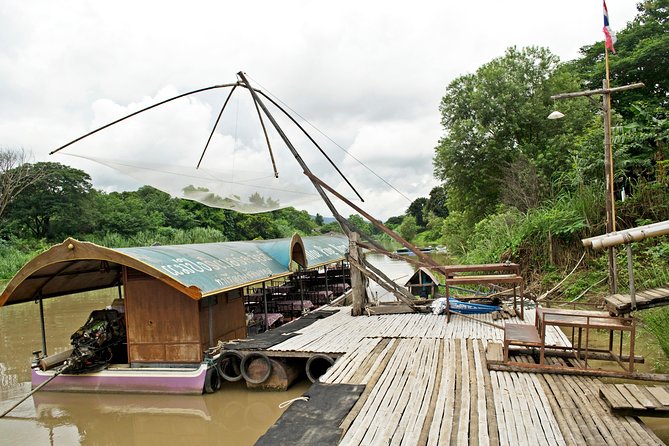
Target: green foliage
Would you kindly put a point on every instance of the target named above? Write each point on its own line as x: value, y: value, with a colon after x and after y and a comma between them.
x: 648, y: 202
x: 456, y: 233
x: 437, y: 203
x: 496, y: 115
x: 360, y: 223
x: 54, y: 205
x: 164, y: 236
x: 295, y: 221
x: 331, y: 227
x: 416, y: 209
x: 409, y: 228
x: 656, y: 321
x: 642, y: 55
x: 538, y: 239
x: 126, y: 213
x: 14, y: 253
x: 394, y: 222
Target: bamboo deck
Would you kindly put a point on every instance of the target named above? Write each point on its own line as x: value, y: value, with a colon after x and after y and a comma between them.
x: 427, y: 383
x: 632, y: 399
x: 621, y: 304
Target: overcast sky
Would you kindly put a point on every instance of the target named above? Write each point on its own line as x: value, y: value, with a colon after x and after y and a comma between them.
x: 367, y: 74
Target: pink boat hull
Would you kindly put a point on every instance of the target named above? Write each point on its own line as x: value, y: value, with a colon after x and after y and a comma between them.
x: 127, y: 380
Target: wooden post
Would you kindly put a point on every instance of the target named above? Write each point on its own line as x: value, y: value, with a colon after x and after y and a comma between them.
x: 606, y: 92
x: 610, y: 198
x: 357, y: 280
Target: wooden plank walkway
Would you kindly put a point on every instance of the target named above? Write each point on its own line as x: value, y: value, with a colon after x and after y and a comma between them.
x: 636, y: 400
x: 620, y: 304
x: 427, y: 383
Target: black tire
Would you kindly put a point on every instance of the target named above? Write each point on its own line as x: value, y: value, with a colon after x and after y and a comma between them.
x: 229, y: 365
x: 246, y: 362
x: 212, y: 381
x: 317, y: 365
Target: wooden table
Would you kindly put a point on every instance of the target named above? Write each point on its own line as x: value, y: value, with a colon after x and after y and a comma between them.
x: 586, y: 319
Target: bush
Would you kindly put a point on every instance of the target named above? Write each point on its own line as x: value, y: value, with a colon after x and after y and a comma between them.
x: 14, y: 253
x: 656, y: 321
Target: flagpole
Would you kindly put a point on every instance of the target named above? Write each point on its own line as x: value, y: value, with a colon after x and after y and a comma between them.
x: 610, y: 143
x: 608, y: 166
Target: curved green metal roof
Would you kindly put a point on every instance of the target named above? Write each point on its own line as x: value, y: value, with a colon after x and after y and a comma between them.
x: 197, y: 270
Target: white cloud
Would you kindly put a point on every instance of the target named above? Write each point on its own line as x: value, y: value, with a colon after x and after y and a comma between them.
x: 369, y: 74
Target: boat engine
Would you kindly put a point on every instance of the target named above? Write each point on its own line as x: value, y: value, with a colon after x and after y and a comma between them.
x: 93, y: 344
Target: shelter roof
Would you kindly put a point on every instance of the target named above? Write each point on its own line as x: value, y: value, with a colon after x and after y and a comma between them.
x: 197, y: 270
x: 427, y: 277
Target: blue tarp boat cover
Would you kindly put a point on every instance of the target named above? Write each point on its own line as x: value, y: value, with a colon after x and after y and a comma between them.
x: 457, y: 306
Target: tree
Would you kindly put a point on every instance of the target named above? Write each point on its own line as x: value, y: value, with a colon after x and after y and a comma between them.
x: 56, y: 204
x: 295, y: 220
x: 416, y: 209
x: 174, y: 215
x: 393, y: 222
x: 258, y: 226
x: 15, y: 175
x: 359, y: 223
x: 408, y: 229
x: 642, y: 55
x: 437, y: 202
x: 498, y: 114
x: 318, y: 219
x: 126, y: 213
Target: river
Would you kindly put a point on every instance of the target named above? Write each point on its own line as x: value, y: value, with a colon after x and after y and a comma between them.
x: 231, y: 416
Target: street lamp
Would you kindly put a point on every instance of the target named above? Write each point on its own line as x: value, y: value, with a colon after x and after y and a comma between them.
x: 605, y: 92
x: 556, y: 115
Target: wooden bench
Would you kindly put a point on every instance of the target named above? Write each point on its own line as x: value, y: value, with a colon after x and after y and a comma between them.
x: 524, y: 335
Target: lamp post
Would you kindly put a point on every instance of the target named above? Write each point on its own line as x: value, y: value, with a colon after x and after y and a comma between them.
x: 608, y: 162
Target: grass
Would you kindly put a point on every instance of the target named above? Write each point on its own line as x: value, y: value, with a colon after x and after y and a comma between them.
x: 13, y: 257
x: 656, y: 321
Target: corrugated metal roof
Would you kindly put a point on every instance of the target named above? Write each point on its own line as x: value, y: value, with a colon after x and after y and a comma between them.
x: 197, y: 270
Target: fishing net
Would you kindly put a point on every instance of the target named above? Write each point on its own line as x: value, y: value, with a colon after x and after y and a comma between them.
x: 239, y: 190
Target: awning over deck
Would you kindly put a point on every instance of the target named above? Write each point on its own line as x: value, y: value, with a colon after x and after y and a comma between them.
x: 197, y: 270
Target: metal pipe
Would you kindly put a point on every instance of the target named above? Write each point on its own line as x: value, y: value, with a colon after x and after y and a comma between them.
x: 628, y: 235
x: 213, y: 130
x: 211, y: 321
x: 301, y: 273
x: 630, y: 273
x: 141, y: 111
x: 588, y: 242
x: 264, y: 299
x: 41, y: 319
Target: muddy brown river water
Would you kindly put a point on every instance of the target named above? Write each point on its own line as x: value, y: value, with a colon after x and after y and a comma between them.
x: 231, y: 416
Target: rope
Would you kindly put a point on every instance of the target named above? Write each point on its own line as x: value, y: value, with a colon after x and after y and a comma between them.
x: 543, y: 296
x: 289, y: 402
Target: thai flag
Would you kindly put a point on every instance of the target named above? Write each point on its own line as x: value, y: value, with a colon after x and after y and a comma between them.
x: 608, y: 32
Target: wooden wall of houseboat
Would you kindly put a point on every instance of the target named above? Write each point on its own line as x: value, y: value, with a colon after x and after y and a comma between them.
x: 227, y: 317
x: 163, y: 324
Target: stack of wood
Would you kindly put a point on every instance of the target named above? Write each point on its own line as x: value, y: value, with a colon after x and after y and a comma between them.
x: 505, y: 313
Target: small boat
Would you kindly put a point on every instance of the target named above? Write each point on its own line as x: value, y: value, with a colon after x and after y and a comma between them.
x: 458, y: 306
x: 461, y: 307
x: 175, y: 305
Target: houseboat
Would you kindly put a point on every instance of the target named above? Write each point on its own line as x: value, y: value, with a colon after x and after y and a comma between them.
x: 174, y: 305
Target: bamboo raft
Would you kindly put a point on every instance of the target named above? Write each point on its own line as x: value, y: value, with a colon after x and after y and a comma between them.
x: 620, y: 304
x: 637, y: 400
x: 427, y: 383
